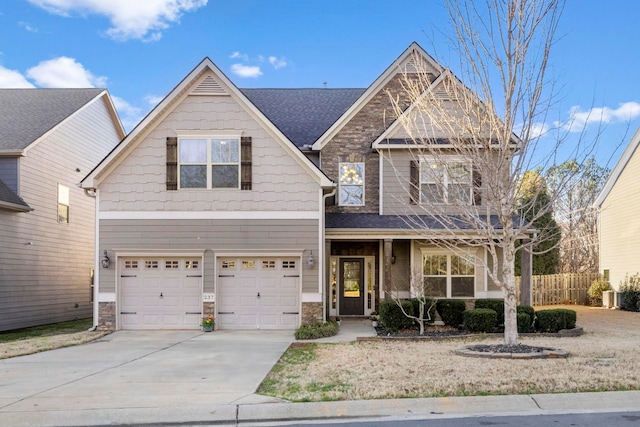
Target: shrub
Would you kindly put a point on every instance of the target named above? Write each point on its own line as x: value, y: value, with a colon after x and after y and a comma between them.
x: 494, y: 304
x: 480, y: 320
x: 451, y: 311
x: 317, y: 330
x: 428, y: 305
x: 527, y: 309
x: 595, y: 292
x: 630, y: 290
x: 392, y: 316
x: 524, y: 322
x: 555, y: 319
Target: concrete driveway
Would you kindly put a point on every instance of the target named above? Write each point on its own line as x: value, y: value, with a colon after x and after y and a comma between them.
x: 130, y: 370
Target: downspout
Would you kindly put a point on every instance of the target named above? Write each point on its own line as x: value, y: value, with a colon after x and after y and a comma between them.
x: 324, y: 256
x: 91, y: 192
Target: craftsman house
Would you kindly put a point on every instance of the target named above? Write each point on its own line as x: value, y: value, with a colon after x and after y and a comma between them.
x: 49, y: 140
x: 268, y: 208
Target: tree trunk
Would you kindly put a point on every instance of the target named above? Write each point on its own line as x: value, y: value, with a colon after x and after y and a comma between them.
x: 510, y: 302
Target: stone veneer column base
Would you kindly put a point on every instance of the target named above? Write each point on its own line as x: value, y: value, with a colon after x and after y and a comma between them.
x: 106, y: 316
x: 208, y: 309
x: 311, y: 312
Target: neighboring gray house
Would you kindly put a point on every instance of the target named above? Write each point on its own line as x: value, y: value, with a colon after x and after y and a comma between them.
x: 49, y: 140
x: 267, y: 208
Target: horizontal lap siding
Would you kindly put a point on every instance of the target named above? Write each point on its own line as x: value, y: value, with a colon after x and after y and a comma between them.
x: 214, y: 236
x: 620, y: 225
x: 43, y: 282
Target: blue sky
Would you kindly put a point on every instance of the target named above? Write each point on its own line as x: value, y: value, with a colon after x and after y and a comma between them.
x: 140, y: 49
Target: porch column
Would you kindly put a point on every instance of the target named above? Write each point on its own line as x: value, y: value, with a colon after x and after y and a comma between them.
x: 327, y: 278
x: 388, y: 249
x: 525, y: 275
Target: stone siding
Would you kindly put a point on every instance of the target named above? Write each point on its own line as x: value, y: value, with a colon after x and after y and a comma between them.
x: 311, y: 312
x: 107, y: 316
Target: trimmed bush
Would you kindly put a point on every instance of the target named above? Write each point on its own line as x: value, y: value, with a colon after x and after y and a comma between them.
x: 480, y: 320
x: 392, y: 317
x: 595, y: 292
x: 451, y: 311
x: 527, y: 309
x: 630, y: 290
x: 524, y: 322
x: 555, y: 319
x: 494, y: 304
x: 428, y: 303
x: 317, y: 330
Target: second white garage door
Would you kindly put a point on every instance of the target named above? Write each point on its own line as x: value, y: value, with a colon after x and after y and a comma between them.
x: 258, y: 293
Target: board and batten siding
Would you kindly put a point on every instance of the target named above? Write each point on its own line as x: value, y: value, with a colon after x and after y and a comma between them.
x: 212, y: 238
x: 620, y: 225
x: 45, y: 266
x: 279, y: 182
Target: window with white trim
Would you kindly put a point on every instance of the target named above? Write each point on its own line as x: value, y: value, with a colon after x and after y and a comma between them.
x: 448, y: 275
x: 351, y: 184
x: 209, y: 162
x: 63, y: 204
x: 446, y: 182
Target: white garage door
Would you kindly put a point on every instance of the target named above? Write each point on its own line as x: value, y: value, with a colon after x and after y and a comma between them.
x: 160, y: 293
x: 258, y: 293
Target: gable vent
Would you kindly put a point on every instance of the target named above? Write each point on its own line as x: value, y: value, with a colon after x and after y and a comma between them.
x: 209, y: 86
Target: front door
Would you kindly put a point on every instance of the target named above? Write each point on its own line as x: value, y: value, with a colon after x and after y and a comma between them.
x: 351, y: 286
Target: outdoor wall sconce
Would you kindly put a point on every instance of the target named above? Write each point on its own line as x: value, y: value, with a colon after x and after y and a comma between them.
x: 393, y: 258
x: 106, y: 262
x: 311, y: 262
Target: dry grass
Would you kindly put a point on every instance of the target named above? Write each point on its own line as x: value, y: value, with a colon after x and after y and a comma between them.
x: 604, y: 358
x: 22, y: 347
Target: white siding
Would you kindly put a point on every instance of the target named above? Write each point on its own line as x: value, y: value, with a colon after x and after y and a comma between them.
x: 279, y: 182
x: 620, y: 225
x: 45, y: 266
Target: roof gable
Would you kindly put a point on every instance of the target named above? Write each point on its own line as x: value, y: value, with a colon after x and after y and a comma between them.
x: 626, y: 156
x: 205, y: 79
x: 26, y: 115
x: 407, y: 62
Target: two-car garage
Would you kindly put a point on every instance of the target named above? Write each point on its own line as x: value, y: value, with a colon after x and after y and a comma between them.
x: 167, y: 292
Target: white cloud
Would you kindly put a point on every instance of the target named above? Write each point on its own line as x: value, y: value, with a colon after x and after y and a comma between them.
x: 28, y: 27
x: 238, y: 55
x: 153, y: 100
x: 277, y: 62
x: 129, y: 114
x: 579, y: 119
x: 64, y: 72
x: 13, y: 79
x: 246, y: 70
x: 130, y: 19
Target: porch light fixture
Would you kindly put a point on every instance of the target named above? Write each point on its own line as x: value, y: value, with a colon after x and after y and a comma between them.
x: 393, y: 257
x: 311, y: 262
x: 106, y: 262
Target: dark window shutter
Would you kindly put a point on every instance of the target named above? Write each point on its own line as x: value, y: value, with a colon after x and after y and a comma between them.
x: 414, y: 186
x: 172, y: 163
x: 245, y: 163
x: 477, y: 187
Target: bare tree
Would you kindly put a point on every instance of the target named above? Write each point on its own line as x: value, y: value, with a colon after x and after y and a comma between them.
x: 466, y: 159
x: 576, y: 215
x: 421, y: 292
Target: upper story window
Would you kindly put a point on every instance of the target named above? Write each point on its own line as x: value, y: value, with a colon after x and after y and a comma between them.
x: 209, y: 162
x: 351, y: 184
x: 446, y: 182
x: 63, y: 204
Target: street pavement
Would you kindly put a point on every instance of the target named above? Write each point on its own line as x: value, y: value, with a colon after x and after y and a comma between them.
x: 190, y: 377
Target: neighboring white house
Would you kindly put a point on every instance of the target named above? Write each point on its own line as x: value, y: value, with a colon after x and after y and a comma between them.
x: 618, y: 206
x: 49, y: 140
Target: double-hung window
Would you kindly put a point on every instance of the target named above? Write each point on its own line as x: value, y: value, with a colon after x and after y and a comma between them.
x: 63, y: 204
x: 447, y: 181
x: 209, y: 162
x: 448, y: 275
x: 351, y: 184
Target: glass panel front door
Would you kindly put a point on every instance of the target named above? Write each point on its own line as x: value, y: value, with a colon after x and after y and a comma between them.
x: 351, y: 286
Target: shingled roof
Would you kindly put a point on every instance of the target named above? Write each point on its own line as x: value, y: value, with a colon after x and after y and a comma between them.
x: 303, y: 115
x: 10, y: 200
x: 27, y: 114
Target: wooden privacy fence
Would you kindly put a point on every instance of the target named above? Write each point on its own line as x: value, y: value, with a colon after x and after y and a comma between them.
x: 566, y: 288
